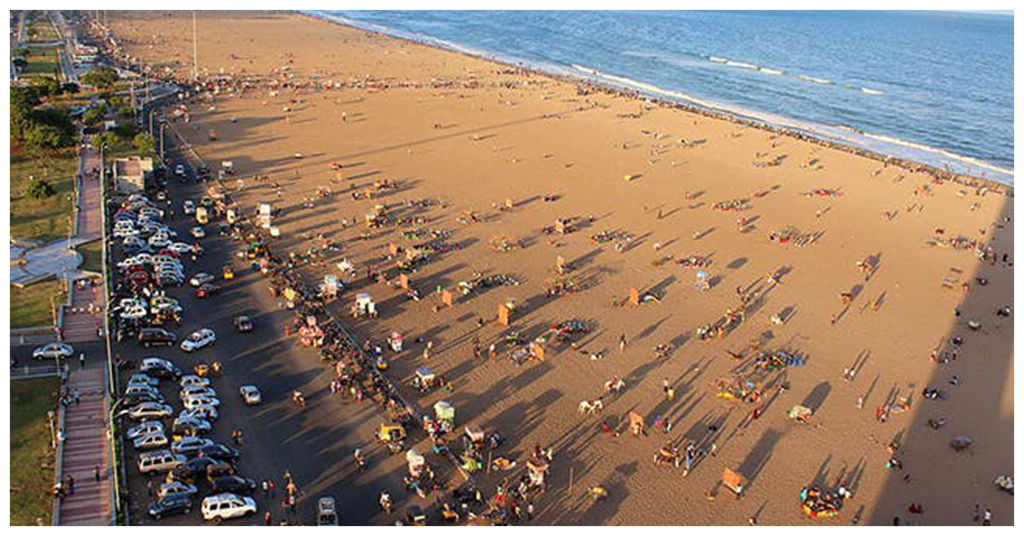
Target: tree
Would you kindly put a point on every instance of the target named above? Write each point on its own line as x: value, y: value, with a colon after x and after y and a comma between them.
x: 20, y: 63
x: 94, y: 116
x: 23, y: 102
x: 69, y: 88
x: 40, y: 189
x: 116, y: 102
x: 59, y: 118
x: 127, y: 131
x: 46, y: 86
x: 144, y: 143
x: 40, y: 136
x: 103, y: 77
x: 126, y: 112
x: 106, y: 139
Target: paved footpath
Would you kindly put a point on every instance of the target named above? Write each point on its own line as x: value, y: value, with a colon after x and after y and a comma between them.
x: 85, y: 450
x: 81, y: 325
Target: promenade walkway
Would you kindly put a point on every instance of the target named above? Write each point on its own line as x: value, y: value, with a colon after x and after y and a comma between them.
x: 86, y: 452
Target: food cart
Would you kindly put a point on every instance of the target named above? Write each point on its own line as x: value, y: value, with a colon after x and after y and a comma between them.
x: 425, y: 379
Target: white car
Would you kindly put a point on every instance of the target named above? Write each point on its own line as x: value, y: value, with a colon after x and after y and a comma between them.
x: 148, y: 410
x: 145, y: 428
x: 179, y: 170
x: 189, y: 207
x: 193, y: 380
x: 207, y: 413
x: 196, y: 401
x: 250, y: 394
x: 126, y: 232
x: 134, y: 313
x: 159, y: 241
x: 168, y: 488
x: 201, y: 279
x: 189, y: 444
x: 198, y: 232
x: 180, y: 248
x: 227, y: 506
x: 143, y: 379
x: 150, y: 441
x: 198, y: 340
x: 195, y: 390
x: 53, y: 350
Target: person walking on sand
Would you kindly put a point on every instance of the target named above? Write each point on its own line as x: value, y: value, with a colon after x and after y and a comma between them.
x: 622, y: 342
x: 987, y: 518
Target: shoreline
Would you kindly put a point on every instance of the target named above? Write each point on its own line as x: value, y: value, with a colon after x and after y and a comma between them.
x: 735, y: 118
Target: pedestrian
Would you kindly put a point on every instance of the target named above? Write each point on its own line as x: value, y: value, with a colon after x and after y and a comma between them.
x: 96, y: 473
x: 77, y: 396
x: 273, y: 489
x: 71, y: 484
x: 81, y: 360
x: 987, y: 518
x: 493, y: 351
x: 267, y: 520
x: 860, y: 402
x: 664, y: 386
x: 622, y: 342
x: 671, y: 393
x: 149, y: 488
x: 976, y: 513
x: 529, y: 511
x: 266, y: 488
x: 605, y: 429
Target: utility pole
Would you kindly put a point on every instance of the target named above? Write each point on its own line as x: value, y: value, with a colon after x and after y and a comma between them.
x: 195, y: 49
x: 162, y: 127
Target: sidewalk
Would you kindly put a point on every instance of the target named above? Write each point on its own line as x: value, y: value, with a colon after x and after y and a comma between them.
x: 86, y: 450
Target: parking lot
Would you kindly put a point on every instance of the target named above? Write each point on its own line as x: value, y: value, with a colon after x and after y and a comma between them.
x: 314, y: 444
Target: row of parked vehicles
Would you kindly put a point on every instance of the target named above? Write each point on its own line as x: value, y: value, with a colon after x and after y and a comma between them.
x: 166, y: 441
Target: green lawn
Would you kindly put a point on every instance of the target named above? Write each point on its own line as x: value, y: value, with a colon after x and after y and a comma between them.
x: 92, y: 256
x: 31, y: 306
x: 42, y: 61
x: 31, y: 456
x: 47, y: 219
x: 40, y: 29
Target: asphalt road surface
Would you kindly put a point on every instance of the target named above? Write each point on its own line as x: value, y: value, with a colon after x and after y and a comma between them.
x: 316, y: 444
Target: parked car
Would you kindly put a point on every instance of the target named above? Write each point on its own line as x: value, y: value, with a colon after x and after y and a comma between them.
x: 201, y: 279
x: 180, y: 248
x: 233, y: 484
x: 148, y: 410
x: 53, y: 350
x: 143, y: 379
x: 189, y: 207
x: 141, y: 397
x: 198, y: 340
x: 190, y: 425
x: 190, y: 444
x: 160, y: 368
x: 159, y: 461
x: 156, y: 337
x: 326, y: 512
x: 192, y: 469
x: 144, y: 428
x: 171, y: 504
x: 208, y: 413
x: 168, y: 488
x: 207, y: 290
x: 179, y: 170
x: 150, y: 441
x: 196, y: 401
x: 197, y: 390
x: 198, y: 232
x: 221, y: 452
x: 250, y: 394
x: 226, y: 506
x: 193, y: 380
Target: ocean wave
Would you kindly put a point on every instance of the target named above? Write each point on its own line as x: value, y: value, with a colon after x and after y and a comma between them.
x: 766, y: 70
x: 741, y: 65
x: 717, y: 60
x: 943, y: 152
x: 870, y: 91
x: 822, y: 81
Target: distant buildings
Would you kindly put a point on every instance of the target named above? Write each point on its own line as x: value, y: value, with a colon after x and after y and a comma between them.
x: 130, y: 174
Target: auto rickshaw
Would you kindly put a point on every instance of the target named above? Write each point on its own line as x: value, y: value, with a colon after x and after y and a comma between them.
x: 382, y: 363
x: 415, y: 517
x: 204, y: 370
x: 448, y: 514
x: 391, y: 435
x: 228, y: 272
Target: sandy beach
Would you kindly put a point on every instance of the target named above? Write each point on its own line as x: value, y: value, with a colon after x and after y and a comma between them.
x: 863, y: 283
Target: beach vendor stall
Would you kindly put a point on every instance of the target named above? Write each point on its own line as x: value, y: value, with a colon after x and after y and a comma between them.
x: 415, y: 462
x: 364, y: 306
x: 425, y: 379
x: 392, y: 435
x: 444, y: 412
x: 395, y: 341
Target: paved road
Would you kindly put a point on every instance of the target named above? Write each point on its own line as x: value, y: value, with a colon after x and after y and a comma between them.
x: 315, y: 445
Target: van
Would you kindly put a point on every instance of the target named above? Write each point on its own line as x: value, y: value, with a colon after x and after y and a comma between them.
x: 156, y: 336
x: 160, y: 460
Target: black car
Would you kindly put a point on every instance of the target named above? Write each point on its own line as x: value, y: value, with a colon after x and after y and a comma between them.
x: 193, y: 469
x: 162, y: 371
x: 243, y: 324
x: 219, y: 469
x: 234, y: 484
x: 220, y: 451
x: 156, y: 337
x: 171, y: 504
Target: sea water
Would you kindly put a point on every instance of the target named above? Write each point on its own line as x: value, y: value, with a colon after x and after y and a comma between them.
x: 933, y: 87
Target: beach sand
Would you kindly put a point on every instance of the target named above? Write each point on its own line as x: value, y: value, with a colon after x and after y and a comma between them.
x: 469, y: 134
